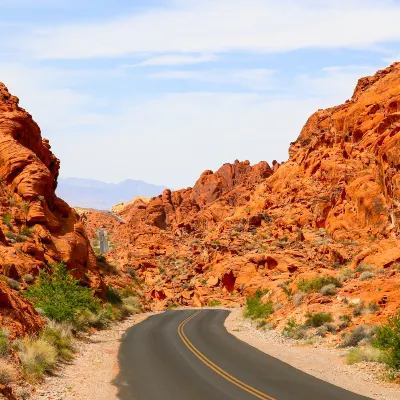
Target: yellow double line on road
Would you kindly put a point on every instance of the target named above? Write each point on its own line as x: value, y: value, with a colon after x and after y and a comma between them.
x: 214, y: 367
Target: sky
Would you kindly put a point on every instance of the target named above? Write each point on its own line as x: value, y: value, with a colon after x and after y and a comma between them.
x: 161, y: 90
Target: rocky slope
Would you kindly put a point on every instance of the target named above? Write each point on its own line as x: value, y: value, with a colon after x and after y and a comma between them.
x: 332, y: 209
x: 37, y: 228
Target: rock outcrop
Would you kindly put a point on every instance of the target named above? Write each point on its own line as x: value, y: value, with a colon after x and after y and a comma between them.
x: 37, y: 228
x: 331, y: 209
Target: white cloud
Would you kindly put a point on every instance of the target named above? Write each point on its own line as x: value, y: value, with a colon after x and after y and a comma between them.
x: 215, y: 26
x: 176, y: 59
x: 255, y: 79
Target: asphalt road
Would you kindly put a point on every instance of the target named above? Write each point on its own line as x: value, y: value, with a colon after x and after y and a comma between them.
x: 189, y: 355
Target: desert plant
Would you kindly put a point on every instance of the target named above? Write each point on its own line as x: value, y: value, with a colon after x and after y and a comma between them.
x: 113, y: 296
x: 60, y: 336
x: 37, y: 357
x: 4, y: 342
x: 297, y: 299
x: 331, y: 327
x: 8, y: 373
x: 26, y: 231
x: 366, y: 275
x: 366, y: 353
x: 7, y: 220
x: 13, y: 284
x: 28, y: 278
x: 294, y: 331
x: 346, y: 274
x: 60, y: 295
x: 328, y: 290
x: 131, y: 305
x: 388, y: 339
x: 255, y: 308
x: 364, y: 267
x: 214, y: 303
x: 344, y: 321
x: 317, y: 319
x: 361, y: 333
x: 316, y: 284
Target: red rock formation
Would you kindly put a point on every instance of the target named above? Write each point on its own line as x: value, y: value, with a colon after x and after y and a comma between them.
x: 333, y: 205
x: 32, y: 214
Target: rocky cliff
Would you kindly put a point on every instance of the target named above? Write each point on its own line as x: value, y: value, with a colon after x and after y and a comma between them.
x: 331, y: 209
x: 37, y: 228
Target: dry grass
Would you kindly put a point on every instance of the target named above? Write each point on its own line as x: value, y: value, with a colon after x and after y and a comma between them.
x: 366, y: 353
x: 37, y: 357
x: 8, y: 373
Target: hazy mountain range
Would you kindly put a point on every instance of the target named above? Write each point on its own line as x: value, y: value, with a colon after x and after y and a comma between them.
x: 91, y: 193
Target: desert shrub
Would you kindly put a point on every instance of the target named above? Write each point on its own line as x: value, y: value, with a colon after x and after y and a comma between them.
x: 8, y: 373
x: 85, y: 318
x: 20, y: 238
x: 388, y: 339
x: 344, y: 321
x: 131, y: 305
x: 113, y: 296
x: 366, y: 353
x: 316, y: 284
x: 361, y: 333
x: 4, y: 343
x: 295, y: 331
x: 317, y: 319
x: 364, y: 267
x: 13, y: 284
x: 346, y: 274
x: 331, y: 327
x: 328, y: 290
x: 37, y: 357
x: 172, y: 306
x: 214, y: 303
x: 26, y: 231
x: 7, y: 220
x: 255, y: 308
x: 297, y: 299
x: 366, y: 275
x: 60, y: 336
x: 10, y: 235
x: 28, y: 278
x: 321, y: 331
x: 60, y: 295
x: 362, y: 309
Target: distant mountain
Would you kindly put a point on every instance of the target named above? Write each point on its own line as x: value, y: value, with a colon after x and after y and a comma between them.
x: 90, y: 193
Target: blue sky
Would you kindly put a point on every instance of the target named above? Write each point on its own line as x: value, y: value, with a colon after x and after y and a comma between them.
x: 161, y: 90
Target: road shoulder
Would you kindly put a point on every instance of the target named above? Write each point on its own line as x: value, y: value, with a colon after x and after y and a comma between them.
x: 90, y: 375
x: 325, y: 364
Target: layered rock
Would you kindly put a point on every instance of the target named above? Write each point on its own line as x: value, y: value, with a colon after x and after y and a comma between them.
x: 37, y: 228
x: 331, y: 209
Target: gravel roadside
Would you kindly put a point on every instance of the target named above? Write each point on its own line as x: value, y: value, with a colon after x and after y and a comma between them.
x: 321, y: 362
x: 90, y: 374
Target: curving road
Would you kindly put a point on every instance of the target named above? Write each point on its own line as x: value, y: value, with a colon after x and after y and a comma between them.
x: 189, y: 355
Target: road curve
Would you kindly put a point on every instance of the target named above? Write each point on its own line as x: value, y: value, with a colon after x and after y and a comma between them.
x: 189, y: 355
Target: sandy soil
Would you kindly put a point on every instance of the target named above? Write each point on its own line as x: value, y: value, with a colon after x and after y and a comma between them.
x: 91, y: 373
x: 323, y: 363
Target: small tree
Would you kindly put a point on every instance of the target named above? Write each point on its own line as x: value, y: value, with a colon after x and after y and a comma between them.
x: 388, y: 338
x: 60, y: 295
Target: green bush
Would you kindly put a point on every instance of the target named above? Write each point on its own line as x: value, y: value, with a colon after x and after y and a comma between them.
x: 214, y: 303
x: 316, y: 284
x: 4, y: 343
x: 60, y: 295
x: 255, y: 308
x: 388, y: 339
x: 113, y: 296
x: 26, y: 231
x: 7, y: 220
x: 317, y: 319
x: 294, y: 330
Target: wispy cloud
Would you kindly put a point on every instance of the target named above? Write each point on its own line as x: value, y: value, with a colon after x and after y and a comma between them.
x: 255, y: 79
x: 175, y: 60
x: 222, y: 25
